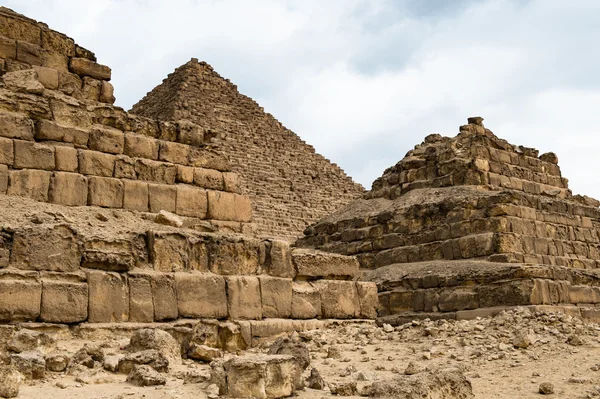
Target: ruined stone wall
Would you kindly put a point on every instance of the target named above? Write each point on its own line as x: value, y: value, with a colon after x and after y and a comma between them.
x: 290, y: 185
x: 59, y: 63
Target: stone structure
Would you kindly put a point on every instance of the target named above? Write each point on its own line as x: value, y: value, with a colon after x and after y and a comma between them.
x: 290, y: 185
x: 470, y: 222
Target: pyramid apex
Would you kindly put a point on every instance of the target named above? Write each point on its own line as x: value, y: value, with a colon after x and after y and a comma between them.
x: 475, y: 120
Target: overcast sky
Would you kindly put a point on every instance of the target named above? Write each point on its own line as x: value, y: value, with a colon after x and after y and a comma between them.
x: 366, y: 80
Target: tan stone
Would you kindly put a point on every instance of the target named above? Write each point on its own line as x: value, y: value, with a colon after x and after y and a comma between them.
x: 164, y: 296
x: 368, y: 299
x: 48, y: 77
x: 140, y: 146
x: 66, y: 159
x: 20, y: 300
x: 23, y: 81
x: 162, y: 197
x: 339, y: 299
x: 190, y: 133
x: 7, y: 152
x: 55, y: 61
x: 8, y: 48
x: 174, y: 152
x: 28, y: 53
x: 168, y: 251
x: 96, y: 163
x: 91, y: 88
x: 310, y: 263
x: 306, y: 301
x: 191, y: 201
x: 85, y: 67
x: 105, y: 192
x: 33, y: 184
x: 135, y: 196
x: 276, y: 295
x: 154, y: 171
x: 57, y: 42
x: 262, y: 376
x: 231, y: 182
x: 108, y: 297
x: 234, y: 257
x: 280, y: 260
x: 201, y: 295
x: 19, y: 29
x: 208, y: 178
x: 68, y: 189
x: 107, y: 93
x: 243, y: 298
x: 70, y: 84
x: 64, y: 302
x: 185, y: 174
x: 229, y: 206
x: 125, y: 168
x: 106, y: 139
x: 16, y: 126
x: 3, y: 182
x: 141, y: 305
x: 33, y: 155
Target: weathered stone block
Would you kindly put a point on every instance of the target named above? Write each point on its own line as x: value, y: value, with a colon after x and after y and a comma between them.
x: 262, y: 376
x: 107, y: 93
x: 55, y: 61
x: 3, y: 179
x: 229, y: 206
x: 105, y: 139
x: 191, y: 201
x: 85, y: 67
x: 231, y: 182
x: 19, y: 29
x: 164, y: 296
x: 209, y: 179
x: 185, y: 174
x: 168, y: 251
x: 31, y: 155
x: 368, y: 299
x: 68, y: 189
x: 8, y: 48
x: 140, y: 146
x: 64, y: 302
x: 174, y: 152
x: 276, y: 295
x: 125, y: 168
x: 20, y: 300
x: 7, y: 152
x: 141, y: 304
x: 306, y: 301
x: 47, y: 130
x: 91, y: 88
x: 310, y: 263
x: 16, y: 126
x: 159, y: 172
x: 233, y: 258
x: 243, y: 298
x: 201, y: 295
x: 135, y: 195
x: 57, y: 42
x: 66, y: 159
x: 162, y: 197
x: 280, y: 260
x: 53, y: 249
x: 105, y: 192
x: 339, y: 299
x: 33, y: 184
x: 29, y: 53
x: 70, y: 84
x: 96, y: 163
x: 108, y: 297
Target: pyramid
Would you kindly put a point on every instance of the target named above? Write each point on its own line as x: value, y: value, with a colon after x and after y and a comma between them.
x: 290, y: 185
x: 466, y: 223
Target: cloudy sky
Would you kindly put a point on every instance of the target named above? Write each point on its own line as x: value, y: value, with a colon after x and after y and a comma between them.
x: 365, y: 80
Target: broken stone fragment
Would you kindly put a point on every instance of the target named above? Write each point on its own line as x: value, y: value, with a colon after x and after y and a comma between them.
x: 57, y: 363
x: 31, y: 364
x: 475, y: 120
x: 159, y: 340
x: 145, y: 376
x: 10, y: 381
x: 150, y: 357
x: 315, y: 381
x: 168, y: 219
x: 286, y: 346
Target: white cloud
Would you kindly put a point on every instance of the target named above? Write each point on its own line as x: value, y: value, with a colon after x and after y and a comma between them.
x: 364, y: 81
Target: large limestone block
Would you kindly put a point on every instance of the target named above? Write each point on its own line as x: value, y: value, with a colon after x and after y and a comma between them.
x: 310, y: 263
x: 368, y: 299
x: 231, y: 182
x: 108, y: 297
x: 7, y: 152
x: 3, y: 179
x: 233, y: 257
x: 164, y: 296
x: 57, y: 42
x: 19, y: 29
x: 175, y: 153
x: 201, y: 295
x: 191, y: 201
x: 162, y: 197
x: 243, y: 298
x: 125, y: 168
x: 33, y: 184
x: 262, y: 376
x: 54, y: 249
x: 29, y: 53
x: 105, y: 192
x: 10, y: 381
x: 229, y: 206
x: 68, y: 189
x: 155, y: 171
x: 8, y: 48
x: 306, y: 301
x: 23, y: 81
x: 141, y: 304
x: 47, y: 130
x: 276, y: 294
x: 16, y: 126
x: 85, y: 67
x: 280, y: 260
x: 96, y: 163
x: 107, y: 93
x: 209, y: 179
x: 20, y: 300
x: 48, y: 77
x: 66, y: 159
x: 140, y: 146
x: 135, y: 195
x: 168, y: 251
x: 31, y: 155
x: 64, y: 302
x: 339, y: 299
x: 105, y: 139
x: 91, y: 88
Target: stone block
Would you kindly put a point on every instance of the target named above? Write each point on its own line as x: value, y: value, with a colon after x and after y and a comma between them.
x: 64, y: 302
x: 276, y: 294
x: 233, y: 257
x: 339, y: 299
x: 154, y: 171
x: 280, y: 260
x: 105, y: 192
x: 125, y: 168
x: 16, y: 126
x: 66, y: 159
x: 33, y: 184
x: 46, y: 130
x: 141, y: 304
x: 70, y: 84
x: 20, y: 300
x: 201, y: 295
x: 459, y: 298
x: 107, y: 93
x: 229, y: 206
x: 68, y: 189
x: 8, y: 48
x: 168, y: 251
x: 58, y: 43
x: 191, y: 201
x: 198, y: 254
x: 135, y: 195
x: 262, y: 376
x: 231, y: 182
x: 55, y: 61
x: 108, y: 297
x: 141, y: 146
x: 85, y: 67
x: 190, y: 133
x: 209, y: 179
x: 29, y: 53
x: 243, y: 298
x: 174, y: 152
x: 91, y: 88
x: 7, y: 152
x: 368, y: 299
x: 105, y: 139
x: 310, y: 263
x: 185, y: 174
x: 96, y: 163
x: 164, y: 296
x: 162, y: 197
x: 306, y: 301
x: 17, y: 28
x: 31, y: 155
x: 3, y: 179
x: 54, y: 249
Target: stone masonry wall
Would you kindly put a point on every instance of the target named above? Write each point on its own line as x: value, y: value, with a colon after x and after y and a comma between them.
x: 290, y: 185
x: 59, y: 63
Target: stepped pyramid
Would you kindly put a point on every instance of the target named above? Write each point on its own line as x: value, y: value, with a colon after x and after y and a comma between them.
x: 469, y: 222
x: 290, y: 185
